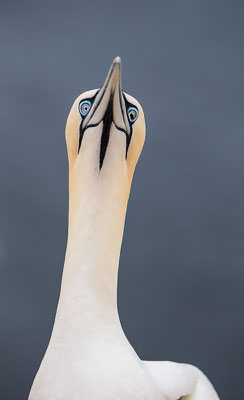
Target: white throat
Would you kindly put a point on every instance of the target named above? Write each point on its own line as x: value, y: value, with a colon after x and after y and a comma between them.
x: 88, y: 298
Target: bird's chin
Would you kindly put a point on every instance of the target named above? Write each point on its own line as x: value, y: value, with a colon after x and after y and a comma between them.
x: 103, y: 150
x: 115, y: 155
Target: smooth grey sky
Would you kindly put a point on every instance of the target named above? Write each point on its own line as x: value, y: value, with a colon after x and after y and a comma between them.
x: 182, y: 263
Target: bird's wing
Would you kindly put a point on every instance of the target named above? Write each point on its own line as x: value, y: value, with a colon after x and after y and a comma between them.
x: 181, y: 381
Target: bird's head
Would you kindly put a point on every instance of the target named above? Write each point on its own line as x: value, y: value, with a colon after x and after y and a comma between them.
x: 105, y: 133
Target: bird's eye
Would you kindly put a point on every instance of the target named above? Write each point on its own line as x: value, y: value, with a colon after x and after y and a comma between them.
x: 85, y: 107
x: 132, y: 114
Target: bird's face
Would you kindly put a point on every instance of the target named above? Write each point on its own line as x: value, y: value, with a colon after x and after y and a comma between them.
x: 105, y: 132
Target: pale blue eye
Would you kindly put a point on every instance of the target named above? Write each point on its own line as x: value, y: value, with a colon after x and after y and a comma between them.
x: 85, y: 107
x: 132, y: 114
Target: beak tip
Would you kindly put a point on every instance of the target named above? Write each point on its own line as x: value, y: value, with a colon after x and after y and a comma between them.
x: 117, y: 60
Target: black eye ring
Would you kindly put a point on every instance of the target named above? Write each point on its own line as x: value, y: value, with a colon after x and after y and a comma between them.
x: 132, y: 113
x: 84, y: 107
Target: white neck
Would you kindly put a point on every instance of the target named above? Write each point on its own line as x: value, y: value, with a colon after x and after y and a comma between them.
x: 88, y: 298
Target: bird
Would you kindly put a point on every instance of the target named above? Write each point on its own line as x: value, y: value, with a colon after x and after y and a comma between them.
x: 89, y: 356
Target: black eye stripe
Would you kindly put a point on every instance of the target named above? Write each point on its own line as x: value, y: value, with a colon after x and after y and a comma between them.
x: 129, y: 134
x: 81, y: 130
x: 129, y: 105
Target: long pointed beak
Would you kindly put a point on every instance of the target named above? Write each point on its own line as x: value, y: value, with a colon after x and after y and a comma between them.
x: 110, y: 92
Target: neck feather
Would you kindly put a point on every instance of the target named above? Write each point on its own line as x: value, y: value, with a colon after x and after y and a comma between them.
x: 96, y: 222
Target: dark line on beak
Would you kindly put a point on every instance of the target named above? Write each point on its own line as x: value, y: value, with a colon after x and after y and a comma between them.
x: 107, y: 121
x: 81, y: 133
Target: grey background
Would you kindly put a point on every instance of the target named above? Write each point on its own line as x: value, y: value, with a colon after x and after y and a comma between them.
x: 181, y: 271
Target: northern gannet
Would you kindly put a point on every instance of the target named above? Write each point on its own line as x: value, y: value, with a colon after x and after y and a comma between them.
x: 89, y: 356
